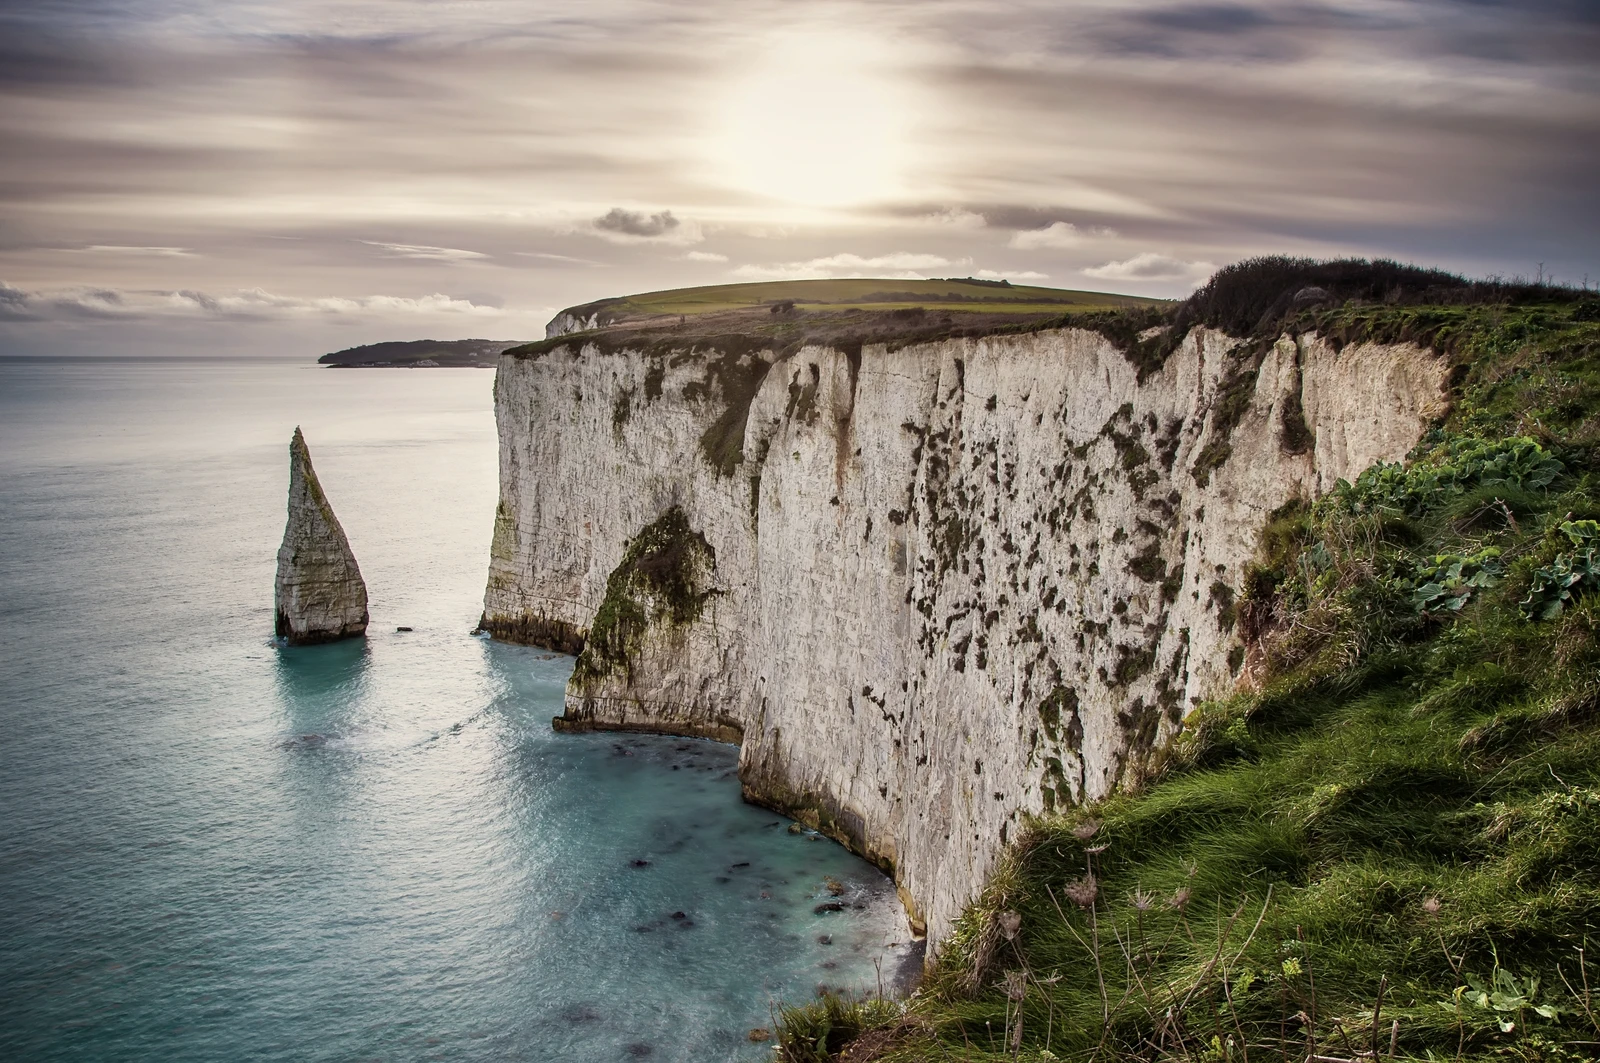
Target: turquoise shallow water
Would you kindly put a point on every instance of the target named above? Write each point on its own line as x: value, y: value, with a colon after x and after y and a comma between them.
x: 212, y: 848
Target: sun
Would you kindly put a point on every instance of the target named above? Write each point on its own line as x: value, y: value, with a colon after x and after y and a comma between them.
x: 814, y: 121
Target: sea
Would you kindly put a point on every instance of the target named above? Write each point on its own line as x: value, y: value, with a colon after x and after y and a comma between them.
x: 217, y: 848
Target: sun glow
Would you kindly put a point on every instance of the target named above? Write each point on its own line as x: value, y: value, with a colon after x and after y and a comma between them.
x: 814, y: 121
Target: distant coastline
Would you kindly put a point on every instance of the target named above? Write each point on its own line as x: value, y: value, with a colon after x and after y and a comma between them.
x: 420, y: 354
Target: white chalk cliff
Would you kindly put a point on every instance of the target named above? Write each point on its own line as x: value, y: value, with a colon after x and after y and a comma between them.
x: 569, y: 321
x: 319, y: 595
x: 931, y: 590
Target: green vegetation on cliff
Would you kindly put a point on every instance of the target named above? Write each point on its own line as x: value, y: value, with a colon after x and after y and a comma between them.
x: 661, y: 579
x: 1390, y: 846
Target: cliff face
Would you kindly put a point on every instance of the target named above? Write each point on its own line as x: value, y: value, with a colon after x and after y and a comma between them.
x: 319, y: 595
x: 933, y: 589
x: 569, y: 321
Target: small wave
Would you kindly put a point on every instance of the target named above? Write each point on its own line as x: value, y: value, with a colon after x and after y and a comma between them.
x: 306, y: 741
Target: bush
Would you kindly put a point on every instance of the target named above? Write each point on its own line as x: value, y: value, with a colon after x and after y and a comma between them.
x: 1256, y: 296
x: 1556, y: 585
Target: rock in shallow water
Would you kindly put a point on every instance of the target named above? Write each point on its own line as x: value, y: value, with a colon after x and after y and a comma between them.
x: 319, y: 595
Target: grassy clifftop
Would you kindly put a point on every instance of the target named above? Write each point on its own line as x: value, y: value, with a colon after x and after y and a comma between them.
x: 1390, y: 846
x: 783, y: 316
x: 956, y: 293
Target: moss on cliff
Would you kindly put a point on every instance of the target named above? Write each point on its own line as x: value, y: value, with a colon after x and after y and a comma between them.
x: 661, y: 580
x: 1390, y: 845
x: 731, y: 378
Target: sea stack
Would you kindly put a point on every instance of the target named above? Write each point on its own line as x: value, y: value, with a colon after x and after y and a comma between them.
x: 319, y: 594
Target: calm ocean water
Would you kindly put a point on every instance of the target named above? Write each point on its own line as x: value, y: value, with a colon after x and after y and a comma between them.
x: 213, y: 849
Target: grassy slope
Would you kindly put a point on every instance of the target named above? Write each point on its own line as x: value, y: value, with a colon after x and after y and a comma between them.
x: 1403, y: 825
x: 863, y: 294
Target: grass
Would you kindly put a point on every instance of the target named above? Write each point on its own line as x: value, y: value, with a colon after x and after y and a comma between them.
x: 1337, y: 856
x: 954, y: 294
x: 782, y: 316
x: 1390, y: 846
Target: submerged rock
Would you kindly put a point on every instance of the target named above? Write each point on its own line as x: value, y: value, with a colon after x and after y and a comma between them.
x: 319, y: 595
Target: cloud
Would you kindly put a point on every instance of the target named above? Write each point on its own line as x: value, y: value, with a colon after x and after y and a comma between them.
x: 558, y: 258
x: 1150, y: 266
x: 632, y: 226
x: 1460, y: 132
x: 481, y: 300
x: 900, y: 265
x: 89, y: 304
x: 125, y: 249
x: 705, y: 256
x: 16, y: 304
x: 956, y: 218
x: 1057, y: 235
x: 893, y: 260
x: 1208, y: 18
x: 622, y: 226
x: 770, y: 232
x: 1011, y: 275
x: 635, y: 223
x: 425, y: 252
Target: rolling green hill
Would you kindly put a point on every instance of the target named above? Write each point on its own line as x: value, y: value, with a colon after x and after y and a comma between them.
x: 954, y: 294
x: 787, y: 315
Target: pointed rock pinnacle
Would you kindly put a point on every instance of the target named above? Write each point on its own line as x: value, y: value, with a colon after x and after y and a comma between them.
x: 319, y: 593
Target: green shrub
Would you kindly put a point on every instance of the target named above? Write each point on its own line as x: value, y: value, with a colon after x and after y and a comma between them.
x: 1557, y: 584
x: 1448, y: 581
x: 1447, y: 472
x: 816, y: 1032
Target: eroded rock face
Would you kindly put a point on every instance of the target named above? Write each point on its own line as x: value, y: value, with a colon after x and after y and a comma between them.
x: 943, y: 587
x: 319, y: 594
x: 567, y: 322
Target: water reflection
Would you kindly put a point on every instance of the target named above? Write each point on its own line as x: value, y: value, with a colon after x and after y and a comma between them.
x: 316, y: 683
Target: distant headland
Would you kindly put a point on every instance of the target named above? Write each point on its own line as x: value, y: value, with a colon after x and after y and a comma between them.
x: 420, y: 354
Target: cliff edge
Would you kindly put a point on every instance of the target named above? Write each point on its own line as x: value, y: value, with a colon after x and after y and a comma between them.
x: 934, y: 585
x: 318, y: 595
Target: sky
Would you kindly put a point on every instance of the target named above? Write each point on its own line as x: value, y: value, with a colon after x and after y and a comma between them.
x: 292, y: 177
